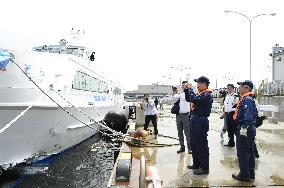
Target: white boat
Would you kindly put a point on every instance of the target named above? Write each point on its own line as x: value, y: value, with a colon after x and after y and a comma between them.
x: 32, y: 126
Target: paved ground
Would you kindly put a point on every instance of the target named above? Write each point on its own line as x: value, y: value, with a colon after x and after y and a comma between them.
x: 223, y: 160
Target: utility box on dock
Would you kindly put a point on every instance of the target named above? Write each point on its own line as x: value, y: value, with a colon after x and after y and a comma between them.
x: 140, y: 117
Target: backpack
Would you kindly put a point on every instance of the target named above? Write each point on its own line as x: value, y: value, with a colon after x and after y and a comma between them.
x: 259, y: 120
x: 175, y: 108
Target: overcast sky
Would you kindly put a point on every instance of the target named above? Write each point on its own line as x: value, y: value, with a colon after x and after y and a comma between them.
x: 136, y: 42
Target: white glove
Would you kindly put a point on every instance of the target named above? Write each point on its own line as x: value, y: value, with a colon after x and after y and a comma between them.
x: 243, y: 132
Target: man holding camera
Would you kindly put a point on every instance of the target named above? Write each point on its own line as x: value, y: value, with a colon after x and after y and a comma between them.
x: 199, y: 124
x: 182, y: 119
x: 150, y: 112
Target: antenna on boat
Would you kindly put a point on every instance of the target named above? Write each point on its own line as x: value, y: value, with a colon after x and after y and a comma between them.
x: 77, y: 33
x: 63, y: 42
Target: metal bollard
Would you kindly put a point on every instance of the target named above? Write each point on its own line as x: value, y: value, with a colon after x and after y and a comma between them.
x: 123, y: 168
x: 142, y: 174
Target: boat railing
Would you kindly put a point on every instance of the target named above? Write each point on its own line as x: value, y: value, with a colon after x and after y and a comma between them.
x: 63, y: 48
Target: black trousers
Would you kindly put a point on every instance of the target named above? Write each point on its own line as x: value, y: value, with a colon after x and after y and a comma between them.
x: 199, y: 127
x: 231, y: 127
x: 152, y: 118
x: 245, y: 152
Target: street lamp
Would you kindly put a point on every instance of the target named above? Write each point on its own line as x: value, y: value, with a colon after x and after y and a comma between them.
x: 228, y: 78
x: 167, y: 77
x: 181, y: 69
x: 157, y: 84
x: 250, y: 21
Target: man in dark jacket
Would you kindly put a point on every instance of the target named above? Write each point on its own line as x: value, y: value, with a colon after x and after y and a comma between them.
x: 245, y: 118
x: 199, y: 124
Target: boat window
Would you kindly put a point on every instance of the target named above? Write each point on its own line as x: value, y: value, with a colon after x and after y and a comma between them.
x: 82, y: 81
x: 88, y: 83
x: 94, y: 85
x: 100, y: 87
x: 76, y: 82
x: 105, y: 88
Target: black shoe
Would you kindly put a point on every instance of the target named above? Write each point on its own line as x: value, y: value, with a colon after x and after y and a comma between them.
x: 200, y: 171
x: 257, y: 156
x: 230, y: 145
x: 237, y: 177
x: 182, y: 149
x: 189, y: 152
x: 252, y: 175
x: 192, y: 167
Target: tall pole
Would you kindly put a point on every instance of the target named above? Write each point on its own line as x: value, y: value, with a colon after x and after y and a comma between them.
x: 250, y: 49
x: 157, y: 87
x: 181, y: 70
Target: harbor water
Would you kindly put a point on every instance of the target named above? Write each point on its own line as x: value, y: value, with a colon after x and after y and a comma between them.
x: 88, y: 164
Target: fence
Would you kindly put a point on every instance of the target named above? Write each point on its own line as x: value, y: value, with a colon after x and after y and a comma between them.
x: 275, y: 88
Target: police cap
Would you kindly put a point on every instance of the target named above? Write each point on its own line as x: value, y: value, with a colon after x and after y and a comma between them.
x: 246, y: 83
x: 202, y: 79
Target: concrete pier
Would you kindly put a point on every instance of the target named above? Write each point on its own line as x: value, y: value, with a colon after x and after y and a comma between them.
x: 173, y: 170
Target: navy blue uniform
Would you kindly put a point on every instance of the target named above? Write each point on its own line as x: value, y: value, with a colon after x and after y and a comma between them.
x: 245, y: 144
x: 199, y: 126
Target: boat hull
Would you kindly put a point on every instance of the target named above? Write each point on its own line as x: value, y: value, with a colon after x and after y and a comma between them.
x: 44, y: 131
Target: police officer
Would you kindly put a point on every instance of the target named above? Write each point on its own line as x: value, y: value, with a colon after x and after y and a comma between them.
x: 199, y: 124
x: 245, y: 117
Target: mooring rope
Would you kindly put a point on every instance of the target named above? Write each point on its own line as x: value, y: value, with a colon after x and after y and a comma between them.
x: 18, y: 116
x: 92, y: 119
x: 116, y: 135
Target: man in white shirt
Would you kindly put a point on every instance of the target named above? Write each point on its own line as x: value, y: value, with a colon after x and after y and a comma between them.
x: 150, y: 112
x: 182, y: 120
x: 230, y: 103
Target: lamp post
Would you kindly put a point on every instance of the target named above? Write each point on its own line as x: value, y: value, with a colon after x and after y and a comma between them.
x: 167, y: 77
x: 181, y: 69
x: 157, y: 87
x: 250, y: 21
x: 228, y: 78
x: 168, y: 84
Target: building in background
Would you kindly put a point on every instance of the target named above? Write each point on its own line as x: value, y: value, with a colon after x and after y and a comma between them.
x: 277, y: 63
x: 154, y: 90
